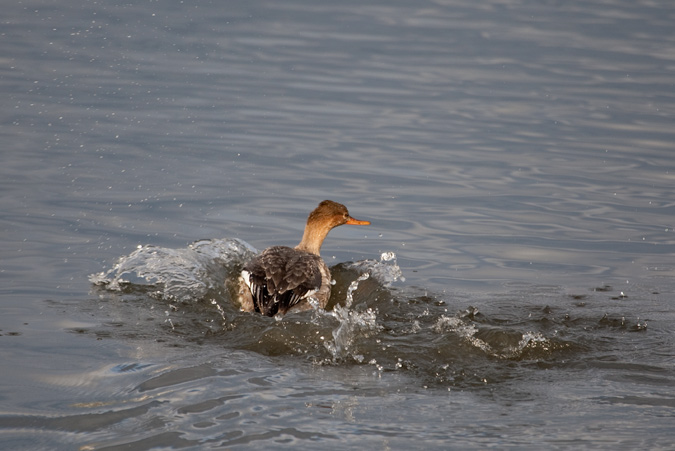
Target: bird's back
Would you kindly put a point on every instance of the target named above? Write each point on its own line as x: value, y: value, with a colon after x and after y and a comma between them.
x: 282, y: 277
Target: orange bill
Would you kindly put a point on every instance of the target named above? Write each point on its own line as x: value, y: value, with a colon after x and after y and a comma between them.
x: 353, y: 221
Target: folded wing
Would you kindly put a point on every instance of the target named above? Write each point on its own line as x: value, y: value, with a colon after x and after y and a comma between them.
x: 280, y: 277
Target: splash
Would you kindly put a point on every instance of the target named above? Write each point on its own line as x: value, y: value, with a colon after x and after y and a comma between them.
x: 181, y: 275
x: 386, y: 271
x: 494, y: 342
x: 352, y: 287
x: 351, y: 325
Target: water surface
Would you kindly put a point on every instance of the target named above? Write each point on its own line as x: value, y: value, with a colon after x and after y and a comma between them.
x: 514, y: 158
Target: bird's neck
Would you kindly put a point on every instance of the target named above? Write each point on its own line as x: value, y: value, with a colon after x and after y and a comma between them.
x: 313, y: 237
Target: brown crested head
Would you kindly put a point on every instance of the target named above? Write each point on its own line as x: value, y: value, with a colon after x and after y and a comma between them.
x: 326, y: 216
x: 333, y: 214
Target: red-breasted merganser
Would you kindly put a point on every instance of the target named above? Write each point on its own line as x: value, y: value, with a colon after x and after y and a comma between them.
x: 282, y: 278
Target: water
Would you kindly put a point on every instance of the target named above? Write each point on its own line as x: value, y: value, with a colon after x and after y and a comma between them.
x: 514, y: 290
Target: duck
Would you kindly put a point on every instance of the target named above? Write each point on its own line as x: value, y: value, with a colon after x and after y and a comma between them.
x: 282, y: 279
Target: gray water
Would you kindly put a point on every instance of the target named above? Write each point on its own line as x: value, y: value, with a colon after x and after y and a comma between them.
x: 514, y: 290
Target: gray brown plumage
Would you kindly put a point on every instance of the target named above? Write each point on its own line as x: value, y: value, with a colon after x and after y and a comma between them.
x: 283, y: 278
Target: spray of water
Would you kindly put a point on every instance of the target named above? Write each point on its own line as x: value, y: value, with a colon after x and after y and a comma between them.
x: 351, y: 324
